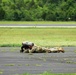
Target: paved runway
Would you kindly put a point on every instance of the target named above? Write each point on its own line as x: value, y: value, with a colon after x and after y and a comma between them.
x: 12, y: 62
x: 38, y: 25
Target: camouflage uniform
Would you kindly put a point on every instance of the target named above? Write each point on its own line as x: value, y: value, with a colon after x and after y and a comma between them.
x: 56, y: 50
x: 38, y: 49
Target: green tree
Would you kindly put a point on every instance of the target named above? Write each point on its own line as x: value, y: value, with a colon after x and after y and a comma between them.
x: 33, y: 10
x: 2, y: 13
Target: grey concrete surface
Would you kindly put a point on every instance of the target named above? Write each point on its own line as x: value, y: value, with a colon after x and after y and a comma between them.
x: 12, y: 62
x: 38, y: 25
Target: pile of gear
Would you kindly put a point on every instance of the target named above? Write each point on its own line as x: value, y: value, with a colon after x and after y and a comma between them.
x: 30, y: 47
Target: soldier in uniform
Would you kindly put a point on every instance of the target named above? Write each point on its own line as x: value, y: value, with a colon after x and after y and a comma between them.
x: 29, y: 47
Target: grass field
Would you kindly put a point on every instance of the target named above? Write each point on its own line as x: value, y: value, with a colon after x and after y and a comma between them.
x: 40, y: 36
x: 37, y: 22
x: 47, y: 73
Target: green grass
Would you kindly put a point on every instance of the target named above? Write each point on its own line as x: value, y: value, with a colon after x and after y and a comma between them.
x: 40, y: 36
x: 37, y: 22
x: 9, y: 64
x: 1, y: 71
x: 48, y: 73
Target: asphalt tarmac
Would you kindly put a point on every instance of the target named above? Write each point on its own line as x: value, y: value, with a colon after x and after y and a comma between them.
x: 12, y: 62
x: 39, y: 25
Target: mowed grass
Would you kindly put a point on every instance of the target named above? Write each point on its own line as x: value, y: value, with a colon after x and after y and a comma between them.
x: 37, y: 22
x: 47, y: 73
x: 40, y: 36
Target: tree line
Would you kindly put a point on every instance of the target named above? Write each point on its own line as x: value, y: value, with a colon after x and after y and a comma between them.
x: 38, y: 10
